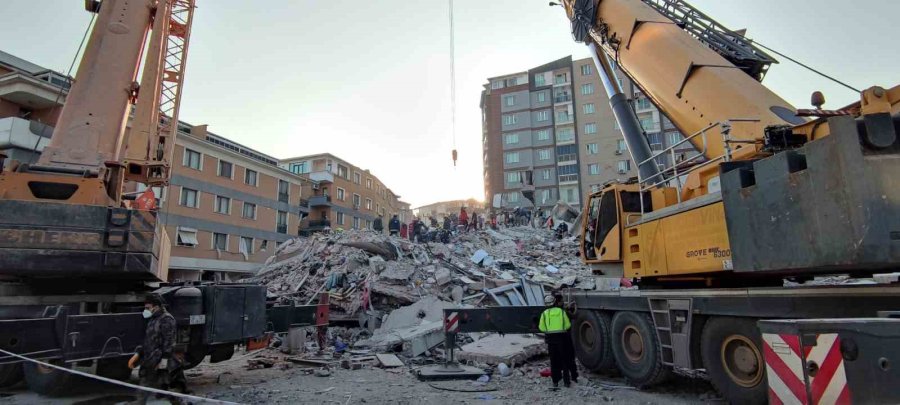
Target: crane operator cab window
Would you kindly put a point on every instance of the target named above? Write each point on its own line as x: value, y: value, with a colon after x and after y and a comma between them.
x: 603, y: 233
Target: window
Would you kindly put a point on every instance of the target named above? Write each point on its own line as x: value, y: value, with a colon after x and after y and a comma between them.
x: 673, y: 137
x: 591, y: 148
x: 344, y: 172
x: 594, y: 169
x: 357, y: 178
x: 248, y: 210
x: 509, y: 119
x: 563, y: 116
x: 545, y: 174
x: 510, y: 139
x: 356, y: 201
x: 223, y: 205
x: 186, y: 237
x: 647, y: 124
x: 624, y: 166
x: 220, y: 241
x: 341, y: 194
x: 368, y: 183
x: 225, y: 169
x: 565, y: 135
x: 642, y: 104
x: 543, y: 135
x: 263, y: 245
x: 544, y: 154
x: 251, y: 177
x: 246, y: 245
x: 283, y: 190
x: 192, y: 159
x: 568, y: 169
x: 299, y: 168
x: 587, y: 89
x: 590, y: 128
x: 561, y: 78
x: 513, y: 197
x: 542, y: 97
x: 511, y: 82
x: 588, y: 108
x: 655, y: 141
x: 566, y: 153
x: 281, y: 222
x: 585, y: 70
x: 355, y: 223
x: 189, y: 198
x: 497, y: 84
x: 512, y: 157
x: 620, y: 145
x: 512, y: 177
x: 570, y: 195
x: 539, y: 79
x: 340, y: 218
x: 510, y: 100
x: 369, y: 204
x: 543, y: 115
x: 545, y: 196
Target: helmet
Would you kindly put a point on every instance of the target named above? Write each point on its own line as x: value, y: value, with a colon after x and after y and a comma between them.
x: 549, y: 299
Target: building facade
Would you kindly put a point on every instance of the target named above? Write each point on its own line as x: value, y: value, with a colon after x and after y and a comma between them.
x: 439, y: 210
x: 342, y: 195
x: 549, y: 134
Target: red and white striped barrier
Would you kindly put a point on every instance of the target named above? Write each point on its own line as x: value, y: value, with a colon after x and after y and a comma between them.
x: 805, y: 374
x: 451, y: 324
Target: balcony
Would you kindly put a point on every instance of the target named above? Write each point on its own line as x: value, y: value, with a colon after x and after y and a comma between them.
x: 310, y: 227
x: 562, y: 119
x: 23, y: 134
x: 562, y: 98
x: 568, y: 178
x: 566, y: 158
x: 322, y: 176
x: 35, y: 92
x: 320, y: 201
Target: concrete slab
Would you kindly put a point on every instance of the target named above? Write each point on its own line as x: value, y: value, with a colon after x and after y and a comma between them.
x: 388, y: 360
x: 449, y: 372
x: 509, y: 349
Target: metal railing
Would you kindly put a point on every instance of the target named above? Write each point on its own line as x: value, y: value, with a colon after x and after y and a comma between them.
x: 682, y: 168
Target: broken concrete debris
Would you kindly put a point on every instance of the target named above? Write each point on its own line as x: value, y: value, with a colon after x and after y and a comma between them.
x: 396, y: 291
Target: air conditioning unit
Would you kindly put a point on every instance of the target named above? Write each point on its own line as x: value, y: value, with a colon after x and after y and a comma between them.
x: 315, y: 186
x: 618, y: 151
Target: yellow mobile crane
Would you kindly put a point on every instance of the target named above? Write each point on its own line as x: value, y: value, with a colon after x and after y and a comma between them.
x: 76, y: 253
x: 776, y: 193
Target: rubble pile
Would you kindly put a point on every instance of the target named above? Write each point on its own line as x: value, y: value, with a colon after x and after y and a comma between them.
x: 364, y: 270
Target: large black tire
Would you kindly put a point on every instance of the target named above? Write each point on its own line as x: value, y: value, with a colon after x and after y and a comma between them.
x: 114, y: 367
x: 636, y: 349
x: 731, y: 349
x: 10, y: 374
x: 593, y: 347
x: 48, y: 381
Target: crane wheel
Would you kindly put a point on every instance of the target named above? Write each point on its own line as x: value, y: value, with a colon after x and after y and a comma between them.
x: 636, y: 349
x: 10, y: 374
x: 114, y: 367
x: 48, y: 381
x: 593, y: 347
x: 732, y: 355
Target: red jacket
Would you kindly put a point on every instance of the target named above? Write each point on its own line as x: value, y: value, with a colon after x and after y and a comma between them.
x: 463, y: 216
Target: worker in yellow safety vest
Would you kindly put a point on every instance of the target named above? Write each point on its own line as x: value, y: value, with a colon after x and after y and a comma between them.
x: 555, y: 324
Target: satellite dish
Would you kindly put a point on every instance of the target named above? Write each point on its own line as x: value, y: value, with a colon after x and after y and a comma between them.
x: 584, y: 16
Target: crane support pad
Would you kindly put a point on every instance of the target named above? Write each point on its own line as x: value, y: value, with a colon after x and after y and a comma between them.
x: 51, y: 240
x: 829, y: 206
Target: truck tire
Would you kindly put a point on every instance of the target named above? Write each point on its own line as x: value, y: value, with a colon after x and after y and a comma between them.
x: 732, y: 355
x: 10, y: 374
x: 114, y: 367
x: 636, y: 349
x: 48, y: 381
x: 593, y: 348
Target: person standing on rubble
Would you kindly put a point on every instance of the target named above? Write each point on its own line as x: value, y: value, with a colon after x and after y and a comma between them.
x: 378, y: 224
x: 463, y: 219
x: 160, y: 366
x: 555, y: 324
x: 448, y: 224
x: 394, y: 226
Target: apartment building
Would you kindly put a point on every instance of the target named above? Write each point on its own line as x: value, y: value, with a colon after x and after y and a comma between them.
x: 342, y: 195
x: 227, y: 206
x: 441, y: 209
x: 568, y: 144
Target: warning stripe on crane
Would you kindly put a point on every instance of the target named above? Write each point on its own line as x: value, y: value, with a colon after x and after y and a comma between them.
x: 791, y: 365
x: 451, y: 324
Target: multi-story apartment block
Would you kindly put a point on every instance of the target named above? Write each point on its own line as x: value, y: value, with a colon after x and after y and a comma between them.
x: 343, y: 196
x: 568, y: 144
x: 439, y: 210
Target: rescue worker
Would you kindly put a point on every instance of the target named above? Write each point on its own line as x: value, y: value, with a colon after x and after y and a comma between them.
x: 378, y: 224
x: 463, y: 219
x: 555, y: 324
x: 160, y: 366
x: 394, y: 226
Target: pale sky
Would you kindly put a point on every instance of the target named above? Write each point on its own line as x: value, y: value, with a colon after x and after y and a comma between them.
x: 369, y: 80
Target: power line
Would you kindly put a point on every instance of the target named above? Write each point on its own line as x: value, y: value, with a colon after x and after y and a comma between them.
x: 808, y: 67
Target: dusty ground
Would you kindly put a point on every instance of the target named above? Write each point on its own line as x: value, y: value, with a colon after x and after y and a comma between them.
x: 371, y: 385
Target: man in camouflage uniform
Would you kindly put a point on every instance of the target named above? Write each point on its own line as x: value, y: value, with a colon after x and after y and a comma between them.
x: 160, y: 368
